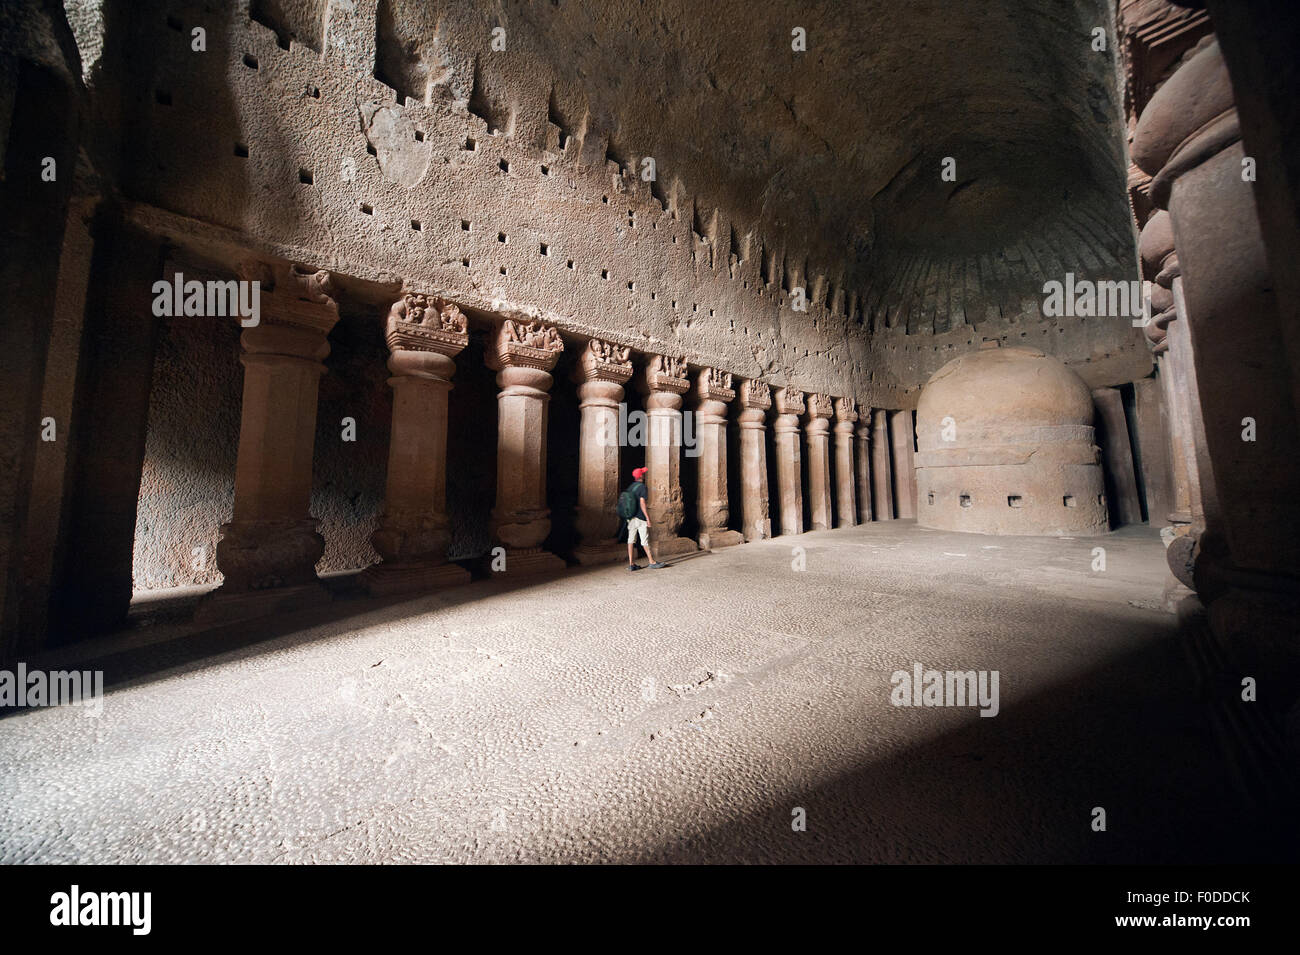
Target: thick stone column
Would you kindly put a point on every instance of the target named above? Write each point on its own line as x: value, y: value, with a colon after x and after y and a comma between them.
x: 601, y: 375
x: 1117, y: 456
x: 882, y: 481
x: 1192, y: 475
x: 846, y: 416
x: 269, y: 549
x: 902, y: 430
x: 664, y: 384
x: 1153, y: 447
x: 523, y: 355
x: 789, y: 467
x: 713, y: 392
x: 1247, y: 565
x: 424, y: 335
x: 755, y: 400
x: 820, y: 409
x: 863, y: 458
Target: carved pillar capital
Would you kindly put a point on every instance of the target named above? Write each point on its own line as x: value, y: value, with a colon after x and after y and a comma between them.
x: 714, y: 385
x: 529, y: 345
x: 665, y: 374
x: 293, y: 294
x: 755, y: 396
x: 788, y: 401
x: 602, y: 361
x: 846, y: 410
x: 820, y: 409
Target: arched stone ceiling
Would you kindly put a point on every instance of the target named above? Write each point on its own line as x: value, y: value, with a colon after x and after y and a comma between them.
x: 831, y: 156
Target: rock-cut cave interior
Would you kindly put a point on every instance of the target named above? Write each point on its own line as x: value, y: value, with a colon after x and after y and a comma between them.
x: 950, y: 353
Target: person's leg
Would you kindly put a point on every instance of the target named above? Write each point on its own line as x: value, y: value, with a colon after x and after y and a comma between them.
x: 645, y: 545
x: 631, y: 545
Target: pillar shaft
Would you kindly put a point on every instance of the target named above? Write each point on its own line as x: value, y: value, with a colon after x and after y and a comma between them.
x: 1117, y: 456
x: 863, y: 459
x: 664, y: 384
x: 269, y: 549
x: 755, y: 399
x: 882, y: 482
x: 424, y: 336
x: 820, y: 410
x: 902, y: 436
x: 601, y: 375
x: 713, y: 392
x: 846, y: 416
x: 1153, y: 447
x: 522, y: 356
x: 789, y: 466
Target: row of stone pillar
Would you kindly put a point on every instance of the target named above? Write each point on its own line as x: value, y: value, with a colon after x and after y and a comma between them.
x: 269, y: 549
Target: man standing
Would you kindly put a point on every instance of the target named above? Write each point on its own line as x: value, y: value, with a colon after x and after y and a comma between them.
x: 638, y: 525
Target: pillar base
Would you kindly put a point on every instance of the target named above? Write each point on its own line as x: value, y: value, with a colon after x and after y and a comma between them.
x: 760, y: 533
x: 222, y: 606
x: 673, y: 547
x: 712, y: 540
x: 590, y: 554
x: 528, y: 563
x: 384, y: 579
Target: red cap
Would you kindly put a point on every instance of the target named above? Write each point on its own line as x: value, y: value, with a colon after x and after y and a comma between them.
x: 638, y: 473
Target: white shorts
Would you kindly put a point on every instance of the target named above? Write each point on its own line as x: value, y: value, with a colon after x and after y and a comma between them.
x: 637, y: 526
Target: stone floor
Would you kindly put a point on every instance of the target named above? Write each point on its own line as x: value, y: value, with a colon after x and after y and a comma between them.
x: 681, y: 714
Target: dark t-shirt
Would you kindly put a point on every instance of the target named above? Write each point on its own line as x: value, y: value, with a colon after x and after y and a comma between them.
x: 639, y: 491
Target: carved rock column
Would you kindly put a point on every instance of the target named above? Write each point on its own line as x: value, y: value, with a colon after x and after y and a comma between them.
x: 269, y: 549
x: 820, y: 409
x: 1117, y: 456
x: 902, y: 430
x: 1173, y: 350
x: 755, y: 400
x: 789, y: 466
x: 846, y: 416
x: 664, y: 384
x: 424, y: 335
x: 882, y: 482
x: 523, y: 355
x: 601, y: 375
x: 1247, y: 569
x: 713, y: 392
x: 863, y: 459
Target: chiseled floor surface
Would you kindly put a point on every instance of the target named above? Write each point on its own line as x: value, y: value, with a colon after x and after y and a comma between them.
x: 681, y: 714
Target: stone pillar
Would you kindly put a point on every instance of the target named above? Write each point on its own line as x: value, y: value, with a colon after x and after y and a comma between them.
x: 104, y: 435
x: 902, y: 431
x: 523, y: 355
x: 1193, y: 477
x: 863, y: 457
x: 902, y: 436
x: 1117, y: 456
x: 601, y: 375
x: 713, y: 392
x: 789, y: 477
x: 755, y: 400
x: 882, y: 481
x: 424, y: 335
x: 1153, y: 446
x: 664, y: 384
x: 269, y: 549
x: 846, y: 416
x: 820, y: 409
x: 1247, y: 564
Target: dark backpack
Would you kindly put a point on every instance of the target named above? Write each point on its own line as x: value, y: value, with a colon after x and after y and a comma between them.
x: 629, y: 503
